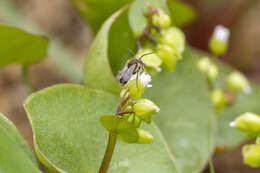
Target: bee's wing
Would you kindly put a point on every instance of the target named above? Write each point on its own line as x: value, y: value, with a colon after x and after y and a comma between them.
x: 125, y: 74
x: 128, y: 73
x: 120, y: 73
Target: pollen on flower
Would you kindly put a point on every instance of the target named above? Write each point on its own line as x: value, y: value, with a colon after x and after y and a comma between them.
x: 221, y: 33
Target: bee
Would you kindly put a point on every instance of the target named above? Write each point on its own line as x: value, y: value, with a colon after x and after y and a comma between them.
x: 133, y: 66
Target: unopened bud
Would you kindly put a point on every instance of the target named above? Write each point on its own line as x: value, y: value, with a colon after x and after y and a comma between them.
x: 218, y: 99
x: 144, y: 109
x: 152, y: 60
x: 174, y: 38
x: 204, y: 64
x: 168, y: 55
x: 144, y: 137
x: 136, y: 86
x: 238, y: 82
x: 219, y: 41
x: 251, y: 154
x: 212, y: 73
x: 257, y: 140
x: 248, y: 123
x: 161, y: 19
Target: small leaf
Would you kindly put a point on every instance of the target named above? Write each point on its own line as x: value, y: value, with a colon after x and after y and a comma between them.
x: 20, y: 47
x: 109, y: 122
x: 126, y: 132
x: 16, y: 155
x: 182, y: 13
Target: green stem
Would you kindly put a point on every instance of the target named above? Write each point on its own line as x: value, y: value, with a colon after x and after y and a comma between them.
x: 108, y: 154
x: 112, y: 139
x: 25, y: 77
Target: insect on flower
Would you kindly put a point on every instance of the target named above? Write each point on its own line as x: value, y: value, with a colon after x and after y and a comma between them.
x: 133, y: 66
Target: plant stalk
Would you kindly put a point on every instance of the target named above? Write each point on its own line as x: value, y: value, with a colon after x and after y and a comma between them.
x: 108, y: 154
x: 25, y: 77
x: 112, y: 138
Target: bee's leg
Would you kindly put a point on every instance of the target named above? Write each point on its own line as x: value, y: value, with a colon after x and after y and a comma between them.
x: 142, y: 68
x: 136, y: 69
x: 136, y: 80
x: 137, y: 76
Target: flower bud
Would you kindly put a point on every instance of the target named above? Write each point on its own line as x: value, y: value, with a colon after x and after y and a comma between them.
x: 251, y: 154
x: 257, y: 140
x: 161, y: 19
x: 204, y: 64
x: 174, y: 38
x: 134, y: 119
x: 124, y: 93
x: 248, y: 123
x: 152, y: 60
x: 218, y: 99
x: 144, y: 109
x: 238, y: 82
x: 219, y: 41
x: 130, y: 117
x: 168, y: 55
x: 136, y: 87
x: 137, y: 121
x: 212, y: 73
x: 144, y: 137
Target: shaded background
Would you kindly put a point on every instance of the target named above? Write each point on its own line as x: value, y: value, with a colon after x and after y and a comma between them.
x: 61, y: 19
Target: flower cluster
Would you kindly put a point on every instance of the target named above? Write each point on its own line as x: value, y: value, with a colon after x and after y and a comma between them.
x: 169, y: 42
x: 234, y: 82
x: 249, y: 123
x: 132, y: 111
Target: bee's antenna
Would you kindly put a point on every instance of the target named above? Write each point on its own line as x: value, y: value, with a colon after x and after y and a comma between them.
x: 130, y: 51
x: 145, y: 55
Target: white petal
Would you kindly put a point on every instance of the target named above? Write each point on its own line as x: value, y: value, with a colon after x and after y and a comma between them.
x: 157, y: 109
x: 221, y: 33
x: 232, y: 124
x: 247, y: 89
x: 145, y: 79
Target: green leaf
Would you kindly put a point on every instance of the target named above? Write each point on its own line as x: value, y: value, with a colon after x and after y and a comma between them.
x: 97, y: 11
x: 20, y: 47
x: 182, y: 13
x: 109, y: 122
x: 136, y: 18
x: 68, y: 134
x: 186, y: 116
x: 97, y: 71
x: 16, y: 155
x: 110, y: 44
x: 126, y: 132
